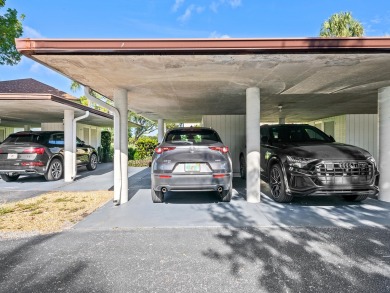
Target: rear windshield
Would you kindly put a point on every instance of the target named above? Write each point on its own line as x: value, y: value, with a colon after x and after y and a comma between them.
x: 195, y: 136
x: 22, y: 138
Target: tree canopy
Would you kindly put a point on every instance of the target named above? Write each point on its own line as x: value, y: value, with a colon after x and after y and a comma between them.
x: 10, y: 28
x: 341, y: 24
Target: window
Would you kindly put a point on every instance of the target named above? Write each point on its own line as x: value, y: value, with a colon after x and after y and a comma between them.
x: 20, y: 138
x: 57, y: 139
x: 196, y: 136
x: 297, y: 133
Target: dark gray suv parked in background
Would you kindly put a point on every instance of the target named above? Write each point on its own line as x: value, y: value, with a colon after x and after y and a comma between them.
x: 40, y: 152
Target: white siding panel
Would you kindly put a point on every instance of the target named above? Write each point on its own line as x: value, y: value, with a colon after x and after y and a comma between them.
x: 231, y: 129
x: 362, y: 131
x: 52, y: 126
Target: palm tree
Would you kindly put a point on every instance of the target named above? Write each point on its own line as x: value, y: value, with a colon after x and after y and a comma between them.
x: 341, y: 24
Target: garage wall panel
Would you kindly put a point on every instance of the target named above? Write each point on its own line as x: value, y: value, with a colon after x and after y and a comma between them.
x: 52, y: 126
x: 362, y: 131
x: 231, y: 129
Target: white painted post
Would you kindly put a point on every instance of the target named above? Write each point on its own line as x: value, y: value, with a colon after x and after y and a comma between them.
x: 68, y: 137
x: 27, y: 128
x: 161, y: 130
x: 121, y: 103
x: 384, y: 143
x: 253, y: 145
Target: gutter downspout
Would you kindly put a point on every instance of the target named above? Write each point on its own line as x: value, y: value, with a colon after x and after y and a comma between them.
x: 74, y: 146
x: 117, y: 165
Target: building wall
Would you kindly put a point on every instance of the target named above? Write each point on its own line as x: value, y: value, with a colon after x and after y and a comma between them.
x: 5, y: 131
x: 362, y: 131
x: 231, y: 129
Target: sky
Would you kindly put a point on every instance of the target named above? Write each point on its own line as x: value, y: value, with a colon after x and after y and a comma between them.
x: 140, y: 19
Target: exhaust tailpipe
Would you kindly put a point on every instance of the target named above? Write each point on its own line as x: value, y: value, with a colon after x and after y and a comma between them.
x: 164, y: 190
x: 220, y: 189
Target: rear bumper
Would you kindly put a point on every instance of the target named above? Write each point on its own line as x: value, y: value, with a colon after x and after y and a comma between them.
x: 191, y: 182
x: 24, y: 170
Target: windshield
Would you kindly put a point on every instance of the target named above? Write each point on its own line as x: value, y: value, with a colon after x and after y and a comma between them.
x: 192, y: 136
x: 297, y: 134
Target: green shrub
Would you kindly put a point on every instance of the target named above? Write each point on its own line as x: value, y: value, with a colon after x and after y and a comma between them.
x: 145, y: 147
x: 131, y: 152
x: 106, y: 145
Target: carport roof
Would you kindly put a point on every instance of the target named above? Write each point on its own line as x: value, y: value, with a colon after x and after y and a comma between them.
x: 184, y: 79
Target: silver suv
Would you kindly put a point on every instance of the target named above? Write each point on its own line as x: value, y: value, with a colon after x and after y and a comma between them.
x: 191, y: 159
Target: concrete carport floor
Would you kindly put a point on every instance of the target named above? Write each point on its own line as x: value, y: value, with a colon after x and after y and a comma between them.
x: 203, y: 209
x: 181, y: 80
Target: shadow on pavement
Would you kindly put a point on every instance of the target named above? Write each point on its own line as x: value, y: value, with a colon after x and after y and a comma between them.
x: 291, y: 258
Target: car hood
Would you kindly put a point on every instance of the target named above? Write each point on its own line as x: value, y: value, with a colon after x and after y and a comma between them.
x: 335, y: 151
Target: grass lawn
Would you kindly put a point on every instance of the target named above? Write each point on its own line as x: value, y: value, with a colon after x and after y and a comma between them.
x: 50, y: 212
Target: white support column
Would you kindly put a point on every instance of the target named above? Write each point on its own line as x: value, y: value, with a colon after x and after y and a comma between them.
x: 121, y: 103
x: 160, y: 130
x: 253, y: 145
x: 27, y: 128
x: 384, y: 143
x: 68, y: 137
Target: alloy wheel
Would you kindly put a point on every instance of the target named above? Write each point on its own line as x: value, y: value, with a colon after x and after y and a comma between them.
x: 94, y: 161
x: 276, y: 182
x: 56, y: 170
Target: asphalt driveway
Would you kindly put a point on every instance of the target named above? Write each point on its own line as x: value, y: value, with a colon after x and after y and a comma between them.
x: 194, y: 243
x: 29, y: 186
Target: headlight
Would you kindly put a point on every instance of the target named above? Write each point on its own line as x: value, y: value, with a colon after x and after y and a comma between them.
x: 299, y: 162
x: 372, y: 160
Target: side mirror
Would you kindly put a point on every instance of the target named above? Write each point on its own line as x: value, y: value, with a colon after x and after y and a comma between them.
x: 264, y: 139
x: 332, y: 138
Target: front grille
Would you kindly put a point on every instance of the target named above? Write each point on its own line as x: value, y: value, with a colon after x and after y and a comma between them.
x: 344, y: 172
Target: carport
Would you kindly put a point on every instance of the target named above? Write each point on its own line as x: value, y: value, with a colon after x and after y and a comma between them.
x: 182, y: 80
x: 28, y: 110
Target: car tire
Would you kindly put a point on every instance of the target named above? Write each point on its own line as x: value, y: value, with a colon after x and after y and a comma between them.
x: 228, y: 196
x: 355, y: 198
x: 55, y: 170
x: 93, y: 161
x: 9, y: 178
x: 157, y: 196
x: 242, y: 167
x: 277, y: 185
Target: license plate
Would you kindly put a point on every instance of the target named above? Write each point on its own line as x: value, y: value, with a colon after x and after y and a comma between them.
x: 192, y: 167
x: 12, y: 156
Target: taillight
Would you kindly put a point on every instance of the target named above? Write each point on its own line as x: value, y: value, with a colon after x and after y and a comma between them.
x: 223, y: 149
x: 163, y: 149
x: 38, y: 151
x: 218, y: 175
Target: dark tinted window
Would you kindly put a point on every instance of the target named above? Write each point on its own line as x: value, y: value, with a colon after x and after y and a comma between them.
x: 56, y: 139
x: 195, y: 136
x: 297, y: 133
x: 23, y: 138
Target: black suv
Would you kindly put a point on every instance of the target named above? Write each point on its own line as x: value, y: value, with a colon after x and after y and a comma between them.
x: 299, y: 159
x: 40, y: 152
